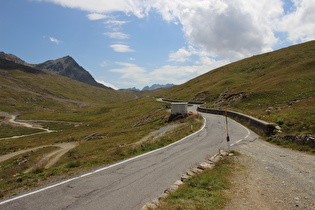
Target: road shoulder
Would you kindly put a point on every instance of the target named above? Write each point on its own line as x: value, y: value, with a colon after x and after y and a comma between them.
x: 270, y: 177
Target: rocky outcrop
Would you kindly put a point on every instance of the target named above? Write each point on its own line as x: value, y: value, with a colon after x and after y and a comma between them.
x: 225, y: 98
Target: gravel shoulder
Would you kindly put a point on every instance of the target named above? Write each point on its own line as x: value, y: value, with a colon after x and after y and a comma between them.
x: 271, y: 177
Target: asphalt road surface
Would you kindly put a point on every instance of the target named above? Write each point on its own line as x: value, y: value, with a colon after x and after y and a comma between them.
x: 131, y: 183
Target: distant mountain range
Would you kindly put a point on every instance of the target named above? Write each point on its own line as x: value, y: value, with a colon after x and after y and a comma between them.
x: 65, y: 66
x: 153, y: 87
x: 157, y: 86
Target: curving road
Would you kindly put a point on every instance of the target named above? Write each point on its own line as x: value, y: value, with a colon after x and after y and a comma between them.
x: 131, y: 183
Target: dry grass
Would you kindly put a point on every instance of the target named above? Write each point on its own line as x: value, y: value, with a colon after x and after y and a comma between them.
x: 277, y: 85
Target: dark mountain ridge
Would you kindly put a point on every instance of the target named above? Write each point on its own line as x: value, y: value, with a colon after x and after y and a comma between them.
x: 15, y: 59
x: 65, y: 66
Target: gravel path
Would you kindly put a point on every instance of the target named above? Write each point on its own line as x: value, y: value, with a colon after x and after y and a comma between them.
x: 270, y: 177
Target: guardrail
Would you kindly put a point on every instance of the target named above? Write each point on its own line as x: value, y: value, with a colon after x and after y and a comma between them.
x: 262, y: 126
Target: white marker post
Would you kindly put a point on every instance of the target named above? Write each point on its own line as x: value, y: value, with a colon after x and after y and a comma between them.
x: 227, y: 131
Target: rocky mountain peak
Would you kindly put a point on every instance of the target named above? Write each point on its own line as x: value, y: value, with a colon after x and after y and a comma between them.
x: 65, y: 66
x: 68, y: 67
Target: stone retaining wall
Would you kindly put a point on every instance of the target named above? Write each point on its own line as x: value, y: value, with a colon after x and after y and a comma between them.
x: 260, y: 125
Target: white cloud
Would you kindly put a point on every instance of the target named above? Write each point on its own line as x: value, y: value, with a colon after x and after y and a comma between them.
x: 232, y: 29
x: 96, y: 16
x: 237, y: 29
x: 103, y: 64
x: 136, y: 7
x: 181, y: 74
x: 116, y: 22
x: 299, y: 24
x: 107, y: 84
x: 134, y: 75
x: 217, y: 31
x: 133, y: 72
x: 54, y: 40
x: 117, y: 35
x: 224, y: 28
x: 182, y: 55
x: 121, y: 48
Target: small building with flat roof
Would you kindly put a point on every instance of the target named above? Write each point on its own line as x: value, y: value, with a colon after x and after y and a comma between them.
x: 179, y: 108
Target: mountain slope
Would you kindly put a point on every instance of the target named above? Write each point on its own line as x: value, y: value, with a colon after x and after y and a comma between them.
x: 15, y: 59
x: 27, y: 90
x: 65, y: 66
x: 275, y: 86
x: 68, y: 67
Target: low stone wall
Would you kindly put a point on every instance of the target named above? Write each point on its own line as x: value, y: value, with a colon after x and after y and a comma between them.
x: 260, y: 125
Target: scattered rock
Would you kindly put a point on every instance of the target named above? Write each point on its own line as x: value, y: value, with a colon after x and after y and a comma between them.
x: 304, y: 139
x: 178, y: 183
x: 171, y: 188
x: 224, y: 154
x: 184, y: 177
x: 197, y: 170
x: 217, y: 159
x: 163, y: 196
x: 190, y: 173
x: 149, y: 206
x: 205, y: 166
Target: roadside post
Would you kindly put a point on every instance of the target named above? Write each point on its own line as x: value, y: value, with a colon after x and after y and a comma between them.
x: 227, y: 131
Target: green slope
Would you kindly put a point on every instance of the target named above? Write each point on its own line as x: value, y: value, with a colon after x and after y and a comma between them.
x: 278, y: 86
x: 25, y: 90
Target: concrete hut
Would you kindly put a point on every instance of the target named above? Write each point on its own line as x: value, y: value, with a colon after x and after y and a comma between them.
x: 179, y: 108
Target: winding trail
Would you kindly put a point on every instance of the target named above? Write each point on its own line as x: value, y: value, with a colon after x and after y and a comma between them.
x: 11, y: 119
x: 48, y: 159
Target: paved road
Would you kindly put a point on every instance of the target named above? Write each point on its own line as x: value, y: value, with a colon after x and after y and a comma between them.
x: 132, y: 183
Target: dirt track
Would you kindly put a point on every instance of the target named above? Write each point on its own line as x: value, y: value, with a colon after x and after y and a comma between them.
x: 48, y: 159
x: 270, y: 177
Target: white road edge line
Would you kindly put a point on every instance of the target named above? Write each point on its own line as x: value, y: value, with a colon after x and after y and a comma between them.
x: 248, y: 134
x: 102, y: 169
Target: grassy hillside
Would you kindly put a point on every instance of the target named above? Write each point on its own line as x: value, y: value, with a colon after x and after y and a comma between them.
x: 24, y: 90
x: 100, y: 126
x: 116, y: 129
x: 278, y: 86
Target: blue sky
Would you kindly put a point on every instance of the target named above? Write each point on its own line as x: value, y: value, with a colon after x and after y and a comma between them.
x: 134, y: 43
